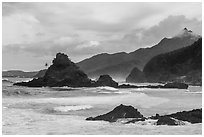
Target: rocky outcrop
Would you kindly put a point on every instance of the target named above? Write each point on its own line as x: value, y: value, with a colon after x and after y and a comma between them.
x: 132, y: 115
x: 165, y: 120
x: 106, y: 80
x: 176, y: 85
x: 36, y: 82
x: 192, y: 116
x: 167, y: 85
x: 63, y: 72
x: 119, y: 112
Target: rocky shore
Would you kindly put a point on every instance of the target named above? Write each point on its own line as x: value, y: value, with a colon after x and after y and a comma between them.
x: 128, y: 112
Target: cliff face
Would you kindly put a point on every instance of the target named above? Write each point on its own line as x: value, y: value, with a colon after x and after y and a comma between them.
x: 184, y: 65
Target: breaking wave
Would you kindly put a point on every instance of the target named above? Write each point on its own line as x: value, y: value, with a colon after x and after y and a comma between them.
x: 71, y: 108
x: 6, y: 81
x: 107, y: 88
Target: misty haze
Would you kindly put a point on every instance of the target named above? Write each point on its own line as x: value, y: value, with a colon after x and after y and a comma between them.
x: 101, y: 68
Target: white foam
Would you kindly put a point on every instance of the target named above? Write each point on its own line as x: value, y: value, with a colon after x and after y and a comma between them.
x: 194, y: 92
x: 72, y: 108
x: 6, y: 80
x: 123, y: 92
x: 105, y: 92
x: 107, y: 88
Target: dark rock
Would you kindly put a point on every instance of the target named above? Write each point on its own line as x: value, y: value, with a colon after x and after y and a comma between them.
x: 165, y: 120
x: 39, y: 82
x: 193, y: 116
x: 119, y: 112
x: 134, y: 86
x: 176, y: 85
x: 106, y: 80
x: 127, y: 86
x: 63, y: 72
x: 168, y: 85
x: 155, y: 117
x: 136, y: 76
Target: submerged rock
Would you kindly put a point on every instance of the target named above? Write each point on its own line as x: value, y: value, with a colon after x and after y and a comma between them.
x: 165, y: 120
x: 119, y: 112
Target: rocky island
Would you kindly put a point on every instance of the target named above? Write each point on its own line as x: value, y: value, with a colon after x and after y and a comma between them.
x: 120, y: 111
x: 64, y: 72
x: 129, y: 112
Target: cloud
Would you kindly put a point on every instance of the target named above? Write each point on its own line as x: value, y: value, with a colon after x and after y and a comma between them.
x: 146, y: 37
x: 85, y: 29
x: 89, y: 44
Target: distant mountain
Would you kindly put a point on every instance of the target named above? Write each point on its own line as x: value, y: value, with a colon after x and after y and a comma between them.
x: 40, y: 73
x: 18, y: 73
x: 183, y: 65
x: 119, y: 65
x: 119, y: 74
x: 101, y: 61
x: 136, y: 76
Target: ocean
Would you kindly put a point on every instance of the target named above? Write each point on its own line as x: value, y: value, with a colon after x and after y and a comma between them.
x: 62, y: 111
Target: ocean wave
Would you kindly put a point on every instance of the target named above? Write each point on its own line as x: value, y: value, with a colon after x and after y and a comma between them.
x: 23, y: 80
x: 6, y: 81
x: 123, y: 92
x: 107, y: 88
x: 65, y: 88
x: 105, y: 92
x: 71, y: 108
x: 194, y: 92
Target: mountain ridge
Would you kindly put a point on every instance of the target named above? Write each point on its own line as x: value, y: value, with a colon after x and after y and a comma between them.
x: 98, y: 64
x: 181, y: 65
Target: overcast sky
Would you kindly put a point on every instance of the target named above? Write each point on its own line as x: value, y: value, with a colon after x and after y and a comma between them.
x: 34, y: 32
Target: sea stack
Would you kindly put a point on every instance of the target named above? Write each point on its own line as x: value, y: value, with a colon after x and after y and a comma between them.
x: 62, y: 72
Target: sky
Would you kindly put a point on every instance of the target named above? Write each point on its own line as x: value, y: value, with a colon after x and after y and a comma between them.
x: 32, y: 33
